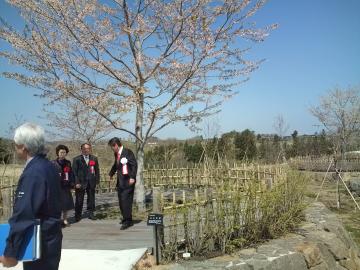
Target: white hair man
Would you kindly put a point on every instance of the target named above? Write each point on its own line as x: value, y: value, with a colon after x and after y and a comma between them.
x: 37, y: 198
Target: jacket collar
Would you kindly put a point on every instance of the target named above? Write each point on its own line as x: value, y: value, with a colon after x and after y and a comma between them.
x: 32, y: 161
x: 83, y: 159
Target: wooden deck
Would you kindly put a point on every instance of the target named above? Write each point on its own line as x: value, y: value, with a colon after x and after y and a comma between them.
x: 105, y: 234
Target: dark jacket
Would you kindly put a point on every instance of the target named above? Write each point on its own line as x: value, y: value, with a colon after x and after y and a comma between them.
x: 62, y: 166
x: 123, y: 180
x: 37, y: 197
x: 83, y: 174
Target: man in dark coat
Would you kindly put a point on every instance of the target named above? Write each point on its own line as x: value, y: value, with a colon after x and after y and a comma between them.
x: 37, y: 197
x: 87, y: 176
x: 125, y: 166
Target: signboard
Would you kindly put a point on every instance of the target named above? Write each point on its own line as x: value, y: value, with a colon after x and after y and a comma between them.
x: 155, y: 219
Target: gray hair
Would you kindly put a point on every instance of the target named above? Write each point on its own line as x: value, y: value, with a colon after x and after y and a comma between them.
x: 32, y: 136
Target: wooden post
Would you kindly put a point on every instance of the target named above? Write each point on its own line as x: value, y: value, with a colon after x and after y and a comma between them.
x: 157, y: 208
x: 197, y: 195
x: 188, y: 175
x: 6, y: 194
x: 150, y: 180
x: 338, y: 193
x: 269, y: 183
x: 197, y: 219
x: 192, y: 176
x: 157, y: 204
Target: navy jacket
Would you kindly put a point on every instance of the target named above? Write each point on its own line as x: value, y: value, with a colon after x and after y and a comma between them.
x: 37, y: 197
x: 61, y: 165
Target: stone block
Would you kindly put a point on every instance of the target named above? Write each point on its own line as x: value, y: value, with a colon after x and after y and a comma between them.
x: 332, y: 242
x: 311, y: 253
x: 354, y: 186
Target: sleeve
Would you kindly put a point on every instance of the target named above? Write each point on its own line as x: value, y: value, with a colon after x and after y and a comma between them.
x: 72, y: 175
x: 113, y: 169
x: 57, y: 166
x: 30, y: 196
x: 132, y: 165
x: 75, y: 171
x: 97, y: 171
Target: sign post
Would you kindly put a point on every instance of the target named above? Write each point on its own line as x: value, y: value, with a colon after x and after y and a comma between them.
x: 156, y: 220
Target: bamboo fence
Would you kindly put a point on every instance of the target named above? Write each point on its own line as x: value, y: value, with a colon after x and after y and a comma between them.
x: 215, y: 218
x: 210, y: 216
x: 321, y: 164
x: 168, y: 177
x: 198, y: 176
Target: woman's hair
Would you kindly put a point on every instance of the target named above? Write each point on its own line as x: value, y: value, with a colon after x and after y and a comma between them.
x: 61, y: 147
x: 114, y: 141
x: 32, y: 136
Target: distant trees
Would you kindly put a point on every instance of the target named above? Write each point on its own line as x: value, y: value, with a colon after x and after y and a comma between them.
x: 294, y: 150
x: 245, y: 145
x: 193, y: 152
x: 314, y: 145
x: 161, y: 154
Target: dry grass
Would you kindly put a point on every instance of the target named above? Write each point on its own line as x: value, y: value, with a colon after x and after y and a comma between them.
x: 147, y: 262
x: 347, y: 212
x: 9, y: 174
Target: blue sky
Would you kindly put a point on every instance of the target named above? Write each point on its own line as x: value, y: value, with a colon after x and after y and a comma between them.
x: 315, y: 48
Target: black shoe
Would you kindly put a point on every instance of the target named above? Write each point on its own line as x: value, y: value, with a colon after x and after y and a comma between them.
x: 77, y: 219
x: 126, y: 225
x: 92, y: 217
x: 122, y: 221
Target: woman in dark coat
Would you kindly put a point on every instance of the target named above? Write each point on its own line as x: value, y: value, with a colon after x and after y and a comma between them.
x: 67, y: 181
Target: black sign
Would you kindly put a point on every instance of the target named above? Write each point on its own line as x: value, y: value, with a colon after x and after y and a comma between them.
x: 155, y: 219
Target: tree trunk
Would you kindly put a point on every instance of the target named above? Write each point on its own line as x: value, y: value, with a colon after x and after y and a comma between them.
x: 140, y: 187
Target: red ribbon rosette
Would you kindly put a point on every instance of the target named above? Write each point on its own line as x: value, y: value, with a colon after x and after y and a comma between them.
x: 92, y: 164
x: 66, y: 173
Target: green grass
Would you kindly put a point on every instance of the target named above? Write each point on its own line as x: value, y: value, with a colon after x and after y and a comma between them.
x: 352, y: 225
x: 347, y: 212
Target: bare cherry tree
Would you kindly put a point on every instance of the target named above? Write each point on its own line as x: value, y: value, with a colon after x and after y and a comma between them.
x: 281, y: 127
x: 147, y: 62
x: 77, y: 122
x: 339, y: 112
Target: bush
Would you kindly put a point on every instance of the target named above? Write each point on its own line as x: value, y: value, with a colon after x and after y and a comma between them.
x: 234, y: 216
